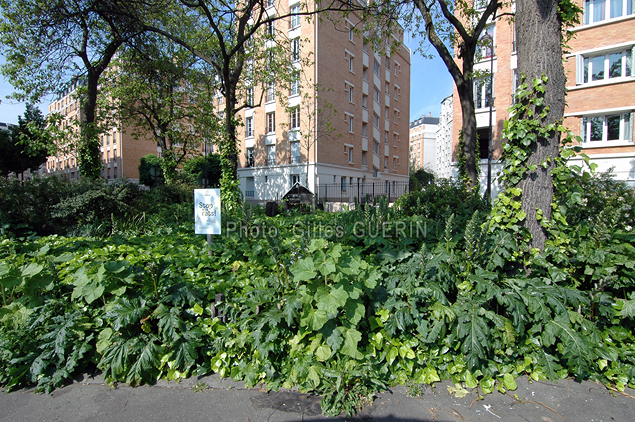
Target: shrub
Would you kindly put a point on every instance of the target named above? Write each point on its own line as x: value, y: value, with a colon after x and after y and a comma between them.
x: 600, y: 198
x: 90, y: 201
x: 420, y: 178
x: 194, y: 170
x: 150, y: 172
x: 440, y: 197
x: 26, y: 207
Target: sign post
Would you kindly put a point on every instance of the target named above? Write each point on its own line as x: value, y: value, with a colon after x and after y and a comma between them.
x: 207, y: 214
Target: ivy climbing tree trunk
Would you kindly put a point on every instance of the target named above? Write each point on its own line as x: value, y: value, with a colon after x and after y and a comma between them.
x: 540, y: 53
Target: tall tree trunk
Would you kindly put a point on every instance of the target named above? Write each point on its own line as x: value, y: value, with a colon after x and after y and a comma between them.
x: 468, y: 161
x: 540, y: 53
x: 88, y: 153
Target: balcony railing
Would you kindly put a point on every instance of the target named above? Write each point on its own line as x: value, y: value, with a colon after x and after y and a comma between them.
x: 361, y: 192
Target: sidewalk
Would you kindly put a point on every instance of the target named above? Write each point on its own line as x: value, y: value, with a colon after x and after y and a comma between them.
x: 211, y: 399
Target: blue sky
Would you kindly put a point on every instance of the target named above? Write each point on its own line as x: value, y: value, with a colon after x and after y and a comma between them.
x: 430, y: 83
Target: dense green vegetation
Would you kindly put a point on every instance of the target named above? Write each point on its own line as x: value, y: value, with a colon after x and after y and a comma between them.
x: 342, y: 304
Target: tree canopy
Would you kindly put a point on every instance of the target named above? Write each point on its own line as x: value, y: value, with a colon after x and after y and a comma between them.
x: 24, y: 146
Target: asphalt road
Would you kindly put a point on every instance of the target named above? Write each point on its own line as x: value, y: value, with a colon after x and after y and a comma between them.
x: 211, y: 399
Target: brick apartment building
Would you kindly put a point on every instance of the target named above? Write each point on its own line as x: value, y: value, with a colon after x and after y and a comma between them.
x: 600, y: 83
x: 352, y: 139
x: 120, y: 152
x: 423, y: 143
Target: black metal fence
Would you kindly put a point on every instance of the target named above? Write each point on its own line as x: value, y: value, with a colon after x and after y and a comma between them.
x: 362, y: 192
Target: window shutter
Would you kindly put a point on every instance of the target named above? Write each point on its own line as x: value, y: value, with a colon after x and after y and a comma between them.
x: 633, y: 59
x: 579, y: 77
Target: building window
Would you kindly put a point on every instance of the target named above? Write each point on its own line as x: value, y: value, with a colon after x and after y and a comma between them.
x: 271, y: 155
x: 599, y: 10
x: 249, y: 127
x: 350, y: 155
x: 387, y: 60
x: 271, y: 122
x: 364, y: 158
x: 394, y: 164
x: 395, y: 137
x: 606, y: 66
x: 386, y: 138
x: 295, y: 84
x: 295, y: 16
x: 250, y: 97
x: 480, y: 4
x: 486, y: 43
x: 270, y: 29
x: 350, y: 124
x: 350, y: 63
x: 270, y: 3
x: 294, y: 118
x: 295, y: 152
x: 387, y: 88
x: 376, y: 120
x: 343, y: 183
x: 365, y: 74
x: 375, y: 147
x: 482, y: 93
x: 351, y: 34
x: 271, y: 91
x: 376, y: 67
x: 364, y: 129
x: 616, y: 127
x: 386, y: 163
x: 365, y: 101
x: 250, y: 187
x: 295, y: 50
x: 376, y: 94
x: 249, y: 152
x: 350, y: 94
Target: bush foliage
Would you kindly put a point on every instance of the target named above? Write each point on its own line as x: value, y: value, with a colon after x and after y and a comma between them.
x: 343, y: 304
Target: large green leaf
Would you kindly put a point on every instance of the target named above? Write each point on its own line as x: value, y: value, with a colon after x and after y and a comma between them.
x: 313, y: 319
x: 329, y: 299
x: 351, y: 338
x: 355, y: 311
x: 126, y: 312
x: 303, y: 270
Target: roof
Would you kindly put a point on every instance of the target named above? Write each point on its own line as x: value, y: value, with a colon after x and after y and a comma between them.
x: 298, y: 193
x: 425, y: 120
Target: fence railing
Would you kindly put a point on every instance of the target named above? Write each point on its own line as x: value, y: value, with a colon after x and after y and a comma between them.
x: 362, y: 192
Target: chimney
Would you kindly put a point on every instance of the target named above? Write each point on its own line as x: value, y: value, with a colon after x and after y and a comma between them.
x: 430, y: 114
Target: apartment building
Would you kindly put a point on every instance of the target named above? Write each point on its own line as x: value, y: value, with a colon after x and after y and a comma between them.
x: 444, y: 139
x: 599, y: 68
x: 120, y: 151
x: 343, y: 124
x: 423, y: 143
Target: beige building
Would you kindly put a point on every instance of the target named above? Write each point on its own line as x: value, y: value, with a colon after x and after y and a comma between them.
x: 352, y: 140
x: 423, y: 143
x: 120, y: 152
x: 599, y: 67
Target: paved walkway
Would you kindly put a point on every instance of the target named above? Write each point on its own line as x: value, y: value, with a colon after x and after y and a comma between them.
x: 211, y: 399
